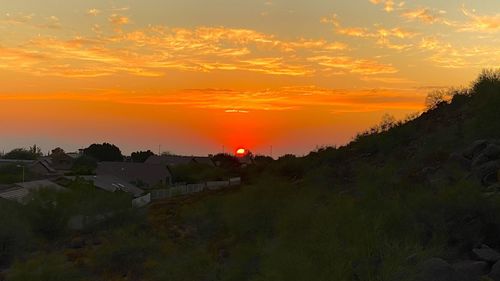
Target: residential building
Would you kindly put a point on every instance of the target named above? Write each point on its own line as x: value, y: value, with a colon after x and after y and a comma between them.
x: 140, y: 174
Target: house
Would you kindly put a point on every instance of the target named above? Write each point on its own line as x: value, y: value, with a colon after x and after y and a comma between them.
x: 140, y: 174
x: 204, y: 161
x: 174, y: 160
x: 169, y: 160
x: 112, y: 184
x: 21, y: 191
x: 42, y: 168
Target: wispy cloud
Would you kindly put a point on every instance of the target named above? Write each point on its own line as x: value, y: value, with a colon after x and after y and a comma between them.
x: 384, y: 37
x: 93, y: 12
x: 425, y: 15
x: 449, y: 56
x: 246, y: 102
x: 153, y: 51
x: 352, y: 65
x: 480, y: 23
x: 18, y: 18
x: 389, y: 5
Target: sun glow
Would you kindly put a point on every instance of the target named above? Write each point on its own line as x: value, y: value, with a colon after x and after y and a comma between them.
x: 241, y: 152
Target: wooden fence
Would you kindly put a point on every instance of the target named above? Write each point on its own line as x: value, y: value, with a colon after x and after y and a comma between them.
x: 186, y: 189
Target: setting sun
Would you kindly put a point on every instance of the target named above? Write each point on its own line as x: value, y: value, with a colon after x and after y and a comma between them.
x: 241, y: 151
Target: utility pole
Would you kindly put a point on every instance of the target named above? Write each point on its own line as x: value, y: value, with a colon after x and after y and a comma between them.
x: 271, y: 151
x: 159, y: 149
x: 223, y: 149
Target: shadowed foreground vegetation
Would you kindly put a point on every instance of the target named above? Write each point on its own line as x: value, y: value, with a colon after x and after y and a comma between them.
x: 374, y: 209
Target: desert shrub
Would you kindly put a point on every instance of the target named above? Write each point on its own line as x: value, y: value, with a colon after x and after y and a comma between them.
x: 184, y: 262
x: 195, y: 173
x: 15, y: 233
x: 46, y: 267
x: 47, y: 214
x: 124, y: 253
x: 289, y: 166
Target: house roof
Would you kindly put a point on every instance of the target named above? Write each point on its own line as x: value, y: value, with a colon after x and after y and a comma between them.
x: 59, y: 161
x: 174, y: 160
x: 112, y: 184
x: 170, y: 160
x: 35, y: 185
x: 23, y: 189
x: 14, y: 194
x: 15, y: 161
x: 204, y: 160
x: 130, y: 171
x: 47, y: 164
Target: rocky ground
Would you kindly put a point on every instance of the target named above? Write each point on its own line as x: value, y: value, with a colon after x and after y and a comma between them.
x: 480, y: 162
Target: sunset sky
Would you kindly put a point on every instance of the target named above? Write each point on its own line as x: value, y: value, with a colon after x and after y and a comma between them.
x: 196, y: 75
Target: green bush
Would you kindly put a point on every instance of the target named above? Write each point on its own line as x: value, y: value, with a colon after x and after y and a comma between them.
x: 46, y: 267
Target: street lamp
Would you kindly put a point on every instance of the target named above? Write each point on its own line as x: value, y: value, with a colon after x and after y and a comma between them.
x: 21, y: 166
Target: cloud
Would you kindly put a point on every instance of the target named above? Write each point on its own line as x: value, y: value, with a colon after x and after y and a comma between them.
x: 446, y: 55
x: 480, y: 23
x: 424, y: 15
x: 384, y: 37
x: 352, y: 65
x: 378, y: 32
x: 236, y: 111
x: 389, y: 5
x: 249, y: 101
x: 18, y: 58
x: 473, y: 23
x: 14, y: 19
x: 118, y: 21
x: 52, y: 22
x: 387, y: 80
x: 155, y: 50
x: 93, y: 12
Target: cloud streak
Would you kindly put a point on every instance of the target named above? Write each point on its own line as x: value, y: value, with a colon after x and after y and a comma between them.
x: 155, y: 50
x: 246, y: 101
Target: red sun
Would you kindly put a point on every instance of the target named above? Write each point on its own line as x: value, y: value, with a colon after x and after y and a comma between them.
x: 241, y: 152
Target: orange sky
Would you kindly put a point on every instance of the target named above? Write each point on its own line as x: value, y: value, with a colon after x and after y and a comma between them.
x: 287, y: 74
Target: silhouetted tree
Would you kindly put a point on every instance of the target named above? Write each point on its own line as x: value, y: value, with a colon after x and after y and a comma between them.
x: 57, y: 150
x: 22, y: 154
x: 487, y: 82
x: 104, y: 152
x: 436, y: 98
x: 141, y: 156
x: 262, y: 160
x: 388, y: 121
x: 84, y: 165
x: 226, y: 161
x: 36, y: 151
